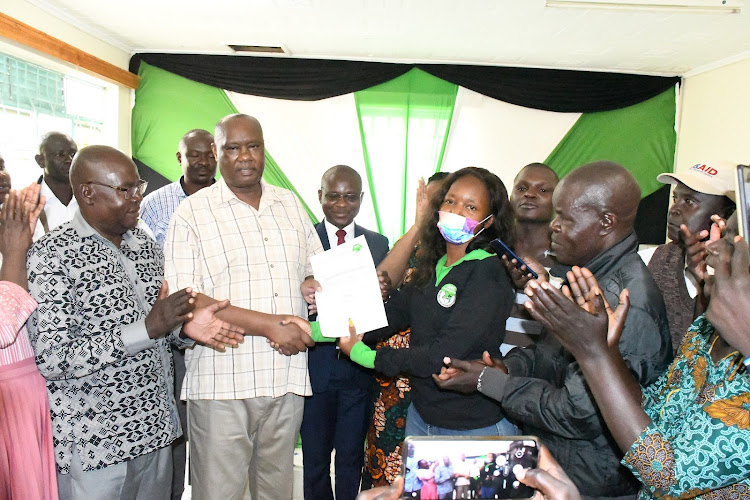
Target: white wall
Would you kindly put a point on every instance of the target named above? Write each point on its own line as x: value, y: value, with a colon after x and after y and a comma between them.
x: 715, y: 116
x: 34, y: 16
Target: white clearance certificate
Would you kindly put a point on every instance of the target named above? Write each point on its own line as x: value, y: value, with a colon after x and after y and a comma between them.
x: 350, y: 289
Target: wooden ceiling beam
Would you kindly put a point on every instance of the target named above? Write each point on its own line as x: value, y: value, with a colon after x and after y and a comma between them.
x: 31, y: 37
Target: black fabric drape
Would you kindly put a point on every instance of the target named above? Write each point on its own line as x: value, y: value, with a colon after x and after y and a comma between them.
x: 651, y: 219
x: 313, y: 79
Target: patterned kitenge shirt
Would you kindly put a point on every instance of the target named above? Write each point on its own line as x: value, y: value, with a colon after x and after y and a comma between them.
x: 698, y: 442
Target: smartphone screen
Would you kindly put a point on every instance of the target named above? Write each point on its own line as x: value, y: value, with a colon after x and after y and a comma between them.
x: 503, y: 249
x: 743, y: 197
x: 477, y: 467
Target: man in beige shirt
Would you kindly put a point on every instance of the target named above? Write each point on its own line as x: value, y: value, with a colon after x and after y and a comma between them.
x: 244, y: 240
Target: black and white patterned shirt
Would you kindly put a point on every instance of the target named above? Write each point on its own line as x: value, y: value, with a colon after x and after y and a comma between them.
x: 110, y: 385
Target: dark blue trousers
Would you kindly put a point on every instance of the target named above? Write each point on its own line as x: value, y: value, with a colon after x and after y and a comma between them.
x: 335, y: 419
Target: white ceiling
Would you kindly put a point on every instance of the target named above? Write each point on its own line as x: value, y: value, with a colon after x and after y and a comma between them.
x: 487, y: 32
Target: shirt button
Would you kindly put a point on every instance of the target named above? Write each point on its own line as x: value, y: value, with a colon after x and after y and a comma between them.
x: 275, y: 294
x: 271, y: 265
x: 265, y: 239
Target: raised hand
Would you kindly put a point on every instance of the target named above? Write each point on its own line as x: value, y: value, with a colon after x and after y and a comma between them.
x: 169, y: 311
x: 206, y: 328
x: 695, y: 252
x: 33, y: 203
x: 423, y: 203
x: 729, y: 290
x: 15, y: 232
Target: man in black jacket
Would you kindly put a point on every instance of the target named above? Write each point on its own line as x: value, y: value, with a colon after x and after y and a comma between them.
x: 542, y: 387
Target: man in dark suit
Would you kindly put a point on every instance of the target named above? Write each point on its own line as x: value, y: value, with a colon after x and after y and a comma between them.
x: 337, y: 414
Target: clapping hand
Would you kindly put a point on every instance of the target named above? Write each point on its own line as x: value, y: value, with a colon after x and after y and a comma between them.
x: 579, y: 317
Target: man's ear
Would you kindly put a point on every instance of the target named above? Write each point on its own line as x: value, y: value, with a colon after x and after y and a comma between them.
x: 213, y: 149
x: 86, y: 193
x: 179, y: 158
x: 608, y: 223
x: 320, y: 195
x: 39, y: 160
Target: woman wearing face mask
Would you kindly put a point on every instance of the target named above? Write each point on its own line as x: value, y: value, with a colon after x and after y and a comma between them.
x: 456, y: 304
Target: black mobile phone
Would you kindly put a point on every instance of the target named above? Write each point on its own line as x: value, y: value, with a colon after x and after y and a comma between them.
x: 479, y: 467
x: 503, y: 249
x: 743, y: 197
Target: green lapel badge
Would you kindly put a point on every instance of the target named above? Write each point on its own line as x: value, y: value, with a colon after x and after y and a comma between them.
x: 356, y: 248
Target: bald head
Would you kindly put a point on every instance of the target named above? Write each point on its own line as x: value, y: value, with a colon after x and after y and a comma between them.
x: 596, y: 206
x: 106, y: 184
x: 196, y: 133
x: 608, y: 187
x: 220, y: 132
x: 343, y: 172
x: 97, y: 164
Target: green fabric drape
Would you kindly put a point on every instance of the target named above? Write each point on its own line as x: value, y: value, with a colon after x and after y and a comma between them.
x: 403, y: 122
x: 167, y: 106
x: 641, y: 137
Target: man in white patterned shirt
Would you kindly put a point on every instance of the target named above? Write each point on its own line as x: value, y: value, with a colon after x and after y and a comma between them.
x: 198, y: 169
x: 244, y: 240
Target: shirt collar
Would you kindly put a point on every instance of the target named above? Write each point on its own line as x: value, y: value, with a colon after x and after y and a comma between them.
x: 85, y: 230
x: 331, y: 229
x: 441, y: 270
x: 181, y: 182
x: 267, y: 197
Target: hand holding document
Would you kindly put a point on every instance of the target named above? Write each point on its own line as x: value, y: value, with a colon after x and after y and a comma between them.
x: 351, y: 289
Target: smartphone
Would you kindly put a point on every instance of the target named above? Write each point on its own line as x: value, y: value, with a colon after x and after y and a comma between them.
x: 482, y: 467
x: 503, y: 249
x: 743, y: 210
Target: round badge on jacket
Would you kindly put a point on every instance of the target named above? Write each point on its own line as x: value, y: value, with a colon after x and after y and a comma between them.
x: 446, y: 297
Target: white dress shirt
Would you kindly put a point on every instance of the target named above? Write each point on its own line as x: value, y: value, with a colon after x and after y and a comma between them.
x: 333, y: 240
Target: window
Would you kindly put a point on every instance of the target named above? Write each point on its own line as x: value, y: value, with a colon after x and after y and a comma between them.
x: 35, y: 99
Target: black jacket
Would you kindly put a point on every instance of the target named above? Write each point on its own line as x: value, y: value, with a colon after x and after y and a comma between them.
x: 547, y: 394
x: 472, y: 324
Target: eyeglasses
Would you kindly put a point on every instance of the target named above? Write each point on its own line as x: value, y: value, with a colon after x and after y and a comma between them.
x: 139, y: 188
x: 349, y: 197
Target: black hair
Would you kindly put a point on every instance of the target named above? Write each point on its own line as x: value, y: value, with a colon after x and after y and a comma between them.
x: 438, y: 176
x: 432, y: 244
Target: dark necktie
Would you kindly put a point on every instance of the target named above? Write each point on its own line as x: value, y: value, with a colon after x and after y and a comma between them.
x: 340, y: 233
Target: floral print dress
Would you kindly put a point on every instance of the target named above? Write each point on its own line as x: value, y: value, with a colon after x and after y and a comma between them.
x: 387, y: 429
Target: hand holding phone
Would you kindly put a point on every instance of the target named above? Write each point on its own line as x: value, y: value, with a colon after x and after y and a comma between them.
x: 503, y: 250
x: 481, y: 466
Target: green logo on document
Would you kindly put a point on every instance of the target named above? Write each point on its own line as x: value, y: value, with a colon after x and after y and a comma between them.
x: 356, y: 248
x: 446, y: 297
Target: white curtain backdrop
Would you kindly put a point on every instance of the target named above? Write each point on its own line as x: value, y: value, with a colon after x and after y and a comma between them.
x: 501, y: 137
x: 306, y: 138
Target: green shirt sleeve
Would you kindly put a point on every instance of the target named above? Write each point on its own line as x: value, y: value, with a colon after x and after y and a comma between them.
x: 317, y: 335
x: 363, y: 355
